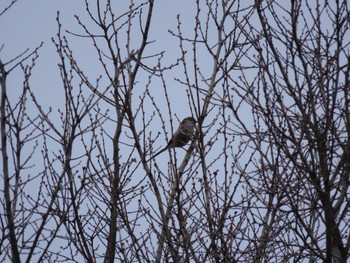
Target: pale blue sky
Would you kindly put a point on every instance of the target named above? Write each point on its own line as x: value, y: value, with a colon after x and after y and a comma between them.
x: 29, y: 22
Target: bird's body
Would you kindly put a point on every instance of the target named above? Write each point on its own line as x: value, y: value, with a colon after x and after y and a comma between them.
x: 182, y: 135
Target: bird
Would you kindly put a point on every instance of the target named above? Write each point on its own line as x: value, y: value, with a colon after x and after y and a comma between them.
x: 182, y: 135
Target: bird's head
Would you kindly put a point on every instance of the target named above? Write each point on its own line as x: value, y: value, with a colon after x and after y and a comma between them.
x: 189, y: 120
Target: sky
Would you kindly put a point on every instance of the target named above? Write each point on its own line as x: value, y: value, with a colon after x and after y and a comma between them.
x: 29, y: 22
x: 26, y: 25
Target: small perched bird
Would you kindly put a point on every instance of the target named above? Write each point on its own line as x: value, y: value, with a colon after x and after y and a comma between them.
x: 182, y: 135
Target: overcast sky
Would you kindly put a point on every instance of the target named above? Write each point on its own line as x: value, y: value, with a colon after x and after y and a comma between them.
x: 30, y: 22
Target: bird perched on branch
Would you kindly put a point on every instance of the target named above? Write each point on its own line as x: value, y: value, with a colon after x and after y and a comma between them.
x: 182, y: 135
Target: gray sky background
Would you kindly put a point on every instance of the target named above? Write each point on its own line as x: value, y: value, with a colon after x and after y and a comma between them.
x: 29, y: 22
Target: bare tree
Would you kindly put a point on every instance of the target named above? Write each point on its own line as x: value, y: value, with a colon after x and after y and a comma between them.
x: 299, y: 167
x: 265, y: 178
